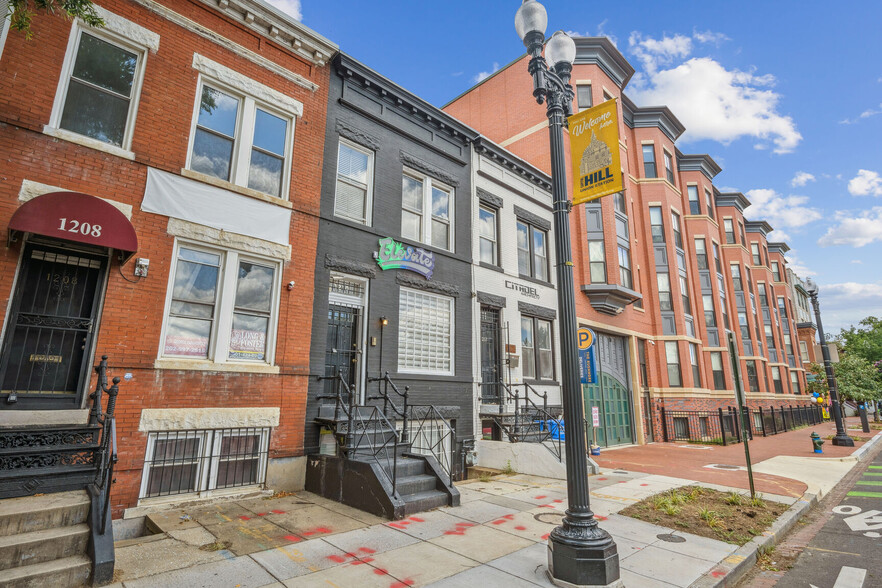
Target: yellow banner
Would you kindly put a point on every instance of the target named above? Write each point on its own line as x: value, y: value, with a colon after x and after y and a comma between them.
x: 594, y: 144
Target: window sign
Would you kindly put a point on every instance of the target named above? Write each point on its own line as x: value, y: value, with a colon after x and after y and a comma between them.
x: 395, y: 255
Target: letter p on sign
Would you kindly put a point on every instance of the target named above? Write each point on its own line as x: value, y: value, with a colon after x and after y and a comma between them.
x: 585, y: 337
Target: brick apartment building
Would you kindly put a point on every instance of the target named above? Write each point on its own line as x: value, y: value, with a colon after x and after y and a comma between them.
x: 184, y: 139
x: 663, y: 269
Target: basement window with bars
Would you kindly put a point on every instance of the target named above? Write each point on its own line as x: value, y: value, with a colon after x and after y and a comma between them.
x: 201, y: 460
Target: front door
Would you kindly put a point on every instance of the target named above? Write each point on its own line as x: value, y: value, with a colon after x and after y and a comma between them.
x: 45, y: 353
x: 491, y: 370
x: 341, y: 352
x: 612, y: 394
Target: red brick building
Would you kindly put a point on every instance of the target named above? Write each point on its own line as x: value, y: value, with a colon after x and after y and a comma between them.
x: 663, y: 269
x: 194, y: 129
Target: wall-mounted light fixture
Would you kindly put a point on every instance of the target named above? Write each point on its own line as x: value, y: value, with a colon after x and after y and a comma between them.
x: 384, y: 321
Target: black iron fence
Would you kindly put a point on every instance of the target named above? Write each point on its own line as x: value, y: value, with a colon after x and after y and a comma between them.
x: 721, y: 426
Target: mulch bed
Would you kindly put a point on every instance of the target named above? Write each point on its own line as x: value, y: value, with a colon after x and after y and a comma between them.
x: 730, y: 517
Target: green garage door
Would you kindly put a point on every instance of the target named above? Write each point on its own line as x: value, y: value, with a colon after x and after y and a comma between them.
x: 612, y: 394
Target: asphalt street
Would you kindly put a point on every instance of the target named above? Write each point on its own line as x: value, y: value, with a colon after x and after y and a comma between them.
x: 847, y: 551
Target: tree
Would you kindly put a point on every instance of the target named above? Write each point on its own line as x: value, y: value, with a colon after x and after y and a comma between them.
x: 23, y: 11
x: 857, y: 379
x: 819, y: 384
x: 865, y: 342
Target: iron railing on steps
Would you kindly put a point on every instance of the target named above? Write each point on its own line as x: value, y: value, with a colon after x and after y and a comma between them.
x: 529, y: 422
x: 101, y: 538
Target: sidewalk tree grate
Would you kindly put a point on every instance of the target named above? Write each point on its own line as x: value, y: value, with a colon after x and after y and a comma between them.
x: 671, y: 538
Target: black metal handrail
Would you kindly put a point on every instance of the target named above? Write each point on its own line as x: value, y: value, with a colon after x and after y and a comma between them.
x: 536, y: 431
x: 101, y: 540
x: 426, y: 439
x: 383, y: 394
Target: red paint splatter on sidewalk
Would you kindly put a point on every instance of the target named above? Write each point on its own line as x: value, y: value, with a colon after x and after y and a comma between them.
x: 402, y: 584
x: 644, y: 484
x: 381, y: 572
x: 417, y: 520
x: 603, y: 478
x: 278, y: 512
x: 366, y: 550
x: 521, y: 528
x: 545, y: 536
x: 397, y: 526
x: 244, y: 518
x: 292, y: 538
x: 599, y: 518
x: 540, y: 497
x: 337, y: 558
x: 717, y: 573
x: 262, y: 514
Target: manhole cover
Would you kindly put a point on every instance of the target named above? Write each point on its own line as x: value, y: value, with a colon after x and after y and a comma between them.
x: 549, y: 518
x: 671, y: 538
x: 723, y: 466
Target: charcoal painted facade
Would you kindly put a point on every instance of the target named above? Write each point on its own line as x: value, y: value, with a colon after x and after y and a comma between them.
x: 393, y: 265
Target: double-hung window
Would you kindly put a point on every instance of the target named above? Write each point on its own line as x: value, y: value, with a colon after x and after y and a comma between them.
x: 717, y: 369
x: 487, y: 243
x: 776, y: 271
x: 717, y: 263
x: 536, y: 337
x: 701, y: 253
x: 672, y: 355
x: 99, y: 88
x: 741, y: 228
x: 710, y: 203
x: 656, y: 225
x: 241, y: 140
x: 669, y: 166
x: 803, y: 351
x: 532, y: 251
x: 625, y: 267
x: 663, y: 280
x: 597, y: 262
x: 730, y: 230
x: 776, y: 380
x: 427, y: 210
x: 696, y: 370
x: 583, y: 96
x: 649, y: 170
x: 684, y: 293
x: 752, y: 377
x: 675, y: 225
x: 794, y: 381
x: 736, y: 277
x: 425, y: 333
x: 355, y: 170
x: 222, y: 306
x: 694, y: 204
x: 710, y: 315
x: 755, y: 254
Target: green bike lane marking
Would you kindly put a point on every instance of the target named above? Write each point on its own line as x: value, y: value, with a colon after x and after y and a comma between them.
x: 868, y: 483
x: 872, y: 474
x: 866, y: 494
x: 872, y: 467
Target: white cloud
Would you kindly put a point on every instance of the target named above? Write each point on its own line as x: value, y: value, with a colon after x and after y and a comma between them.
x: 600, y: 32
x: 856, y: 262
x: 865, y: 183
x: 486, y: 74
x: 845, y: 304
x: 711, y: 101
x: 778, y: 235
x: 782, y: 212
x: 290, y: 7
x: 802, y: 178
x: 798, y: 266
x: 709, y: 37
x: 865, y: 114
x: 856, y: 230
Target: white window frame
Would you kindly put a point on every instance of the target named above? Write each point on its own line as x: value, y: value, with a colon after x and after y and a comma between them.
x: 240, y: 162
x: 410, y: 370
x: 225, y: 300
x: 207, y: 461
x: 114, y: 38
x: 369, y: 194
x: 495, y: 239
x: 803, y: 352
x: 426, y: 225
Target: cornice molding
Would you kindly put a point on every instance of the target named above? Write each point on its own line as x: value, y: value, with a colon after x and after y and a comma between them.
x: 507, y: 159
x: 733, y: 199
x: 698, y: 162
x: 652, y: 117
x: 350, y: 266
x: 601, y: 52
x: 428, y: 285
x: 356, y: 135
x: 489, y: 199
x: 429, y: 169
x: 537, y: 311
x: 758, y: 227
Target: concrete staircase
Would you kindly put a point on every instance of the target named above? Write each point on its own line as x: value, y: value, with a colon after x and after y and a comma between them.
x: 417, y: 487
x: 44, y: 541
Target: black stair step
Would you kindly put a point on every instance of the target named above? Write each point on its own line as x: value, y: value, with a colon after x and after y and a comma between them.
x: 422, y: 501
x: 407, y: 467
x: 409, y: 485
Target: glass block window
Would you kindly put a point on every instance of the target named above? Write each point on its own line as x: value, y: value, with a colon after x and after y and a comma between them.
x: 425, y: 333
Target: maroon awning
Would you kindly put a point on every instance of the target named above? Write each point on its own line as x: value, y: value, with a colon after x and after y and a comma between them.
x: 77, y: 217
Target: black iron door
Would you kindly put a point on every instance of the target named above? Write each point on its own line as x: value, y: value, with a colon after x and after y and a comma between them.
x: 341, y: 352
x: 45, y: 352
x: 491, y: 368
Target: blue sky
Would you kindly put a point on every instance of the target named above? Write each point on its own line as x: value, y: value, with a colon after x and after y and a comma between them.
x: 785, y: 96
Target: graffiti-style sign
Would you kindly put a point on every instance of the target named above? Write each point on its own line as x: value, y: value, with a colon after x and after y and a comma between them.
x: 395, y: 255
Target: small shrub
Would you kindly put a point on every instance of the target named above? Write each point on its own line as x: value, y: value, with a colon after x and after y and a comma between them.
x: 757, y: 502
x: 734, y: 499
x: 508, y: 470
x: 672, y: 510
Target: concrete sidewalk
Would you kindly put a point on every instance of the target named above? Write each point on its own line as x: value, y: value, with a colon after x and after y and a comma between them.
x: 497, y: 537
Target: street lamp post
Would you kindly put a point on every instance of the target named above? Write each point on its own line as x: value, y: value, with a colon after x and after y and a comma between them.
x: 580, y: 553
x: 841, y: 437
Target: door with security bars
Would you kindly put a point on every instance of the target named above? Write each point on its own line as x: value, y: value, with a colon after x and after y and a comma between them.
x: 45, y: 352
x: 342, y: 350
x: 491, y: 365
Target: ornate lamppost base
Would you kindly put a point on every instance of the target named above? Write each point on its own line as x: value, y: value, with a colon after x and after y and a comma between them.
x: 580, y: 566
x: 843, y: 441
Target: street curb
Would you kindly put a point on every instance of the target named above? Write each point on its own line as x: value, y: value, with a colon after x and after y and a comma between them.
x: 729, y: 571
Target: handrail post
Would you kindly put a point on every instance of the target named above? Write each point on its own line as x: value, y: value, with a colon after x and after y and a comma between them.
x: 405, y: 433
x: 722, y: 428
x: 664, y: 420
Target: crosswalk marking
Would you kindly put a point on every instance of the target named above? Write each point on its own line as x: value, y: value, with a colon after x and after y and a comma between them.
x: 866, y: 494
x: 875, y: 467
x: 850, y: 577
x: 872, y: 474
x: 868, y: 483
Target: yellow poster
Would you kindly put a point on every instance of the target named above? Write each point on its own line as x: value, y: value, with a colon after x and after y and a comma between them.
x: 594, y: 143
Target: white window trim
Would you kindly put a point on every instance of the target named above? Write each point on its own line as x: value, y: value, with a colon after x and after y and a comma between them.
x: 219, y: 341
x: 206, y: 478
x: 4, y: 27
x: 426, y: 232
x: 497, y: 261
x: 452, y: 371
x: 116, y: 36
x: 369, y: 196
x: 250, y: 99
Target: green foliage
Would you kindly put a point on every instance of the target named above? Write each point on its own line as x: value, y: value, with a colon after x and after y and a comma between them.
x: 23, y: 12
x: 734, y: 498
x: 866, y: 341
x: 820, y: 383
x: 857, y: 379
